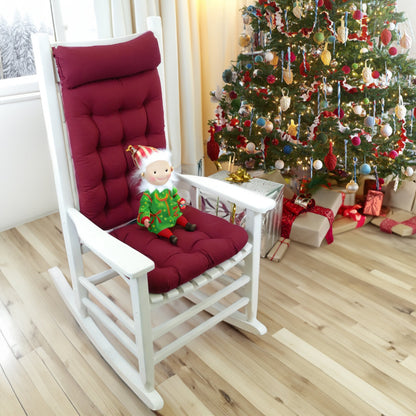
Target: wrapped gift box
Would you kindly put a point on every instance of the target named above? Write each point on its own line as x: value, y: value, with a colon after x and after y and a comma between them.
x: 226, y: 210
x: 279, y: 249
x: 349, y: 197
x: 310, y: 228
x: 397, y: 221
x: 404, y: 198
x: 343, y: 224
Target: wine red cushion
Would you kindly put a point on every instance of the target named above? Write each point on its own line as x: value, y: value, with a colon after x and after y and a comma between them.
x: 214, y: 241
x: 114, y: 101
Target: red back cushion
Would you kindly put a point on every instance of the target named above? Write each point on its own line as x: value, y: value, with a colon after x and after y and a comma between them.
x: 112, y: 98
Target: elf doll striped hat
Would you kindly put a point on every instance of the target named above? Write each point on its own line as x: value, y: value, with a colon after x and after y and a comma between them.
x: 143, y: 156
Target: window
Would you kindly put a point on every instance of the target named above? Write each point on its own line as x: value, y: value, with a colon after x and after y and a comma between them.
x: 18, y: 20
x: 62, y: 19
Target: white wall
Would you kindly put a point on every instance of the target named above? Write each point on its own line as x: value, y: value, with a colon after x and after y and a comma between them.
x: 26, y: 181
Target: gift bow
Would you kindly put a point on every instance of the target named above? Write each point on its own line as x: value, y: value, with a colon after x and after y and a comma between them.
x: 240, y: 176
x: 351, y: 211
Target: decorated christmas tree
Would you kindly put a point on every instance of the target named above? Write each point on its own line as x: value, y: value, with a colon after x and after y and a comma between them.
x: 322, y: 90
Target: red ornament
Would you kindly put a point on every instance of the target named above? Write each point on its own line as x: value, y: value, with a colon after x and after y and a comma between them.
x: 341, y: 113
x: 330, y: 159
x: 357, y: 15
x: 356, y: 141
x: 393, y: 51
x: 320, y: 3
x: 304, y: 68
x: 328, y: 4
x: 247, y: 123
x: 346, y: 69
x: 233, y: 95
x: 213, y: 148
x: 375, y: 74
x: 234, y: 122
x: 292, y: 57
x: 414, y: 111
x: 271, y: 79
x: 385, y: 37
x: 393, y: 154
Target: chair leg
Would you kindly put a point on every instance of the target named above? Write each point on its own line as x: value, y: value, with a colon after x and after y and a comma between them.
x: 252, y: 264
x: 143, y: 331
x: 141, y: 383
x: 75, y: 262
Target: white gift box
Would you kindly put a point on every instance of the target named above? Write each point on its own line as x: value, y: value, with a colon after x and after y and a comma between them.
x: 230, y: 212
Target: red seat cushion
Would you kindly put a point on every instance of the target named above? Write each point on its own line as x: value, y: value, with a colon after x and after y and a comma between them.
x: 214, y: 241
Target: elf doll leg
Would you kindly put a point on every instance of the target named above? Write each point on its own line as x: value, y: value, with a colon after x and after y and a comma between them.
x: 185, y: 223
x: 167, y: 233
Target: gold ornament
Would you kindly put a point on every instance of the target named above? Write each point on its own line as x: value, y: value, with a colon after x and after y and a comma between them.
x: 275, y: 59
x: 326, y: 55
x: 240, y: 176
x: 288, y: 75
x: 244, y: 40
x: 292, y: 129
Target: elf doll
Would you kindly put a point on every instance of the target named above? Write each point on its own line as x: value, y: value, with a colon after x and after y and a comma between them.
x: 160, y: 205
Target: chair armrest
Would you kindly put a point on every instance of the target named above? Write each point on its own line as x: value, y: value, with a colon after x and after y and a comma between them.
x: 118, y: 255
x: 244, y: 198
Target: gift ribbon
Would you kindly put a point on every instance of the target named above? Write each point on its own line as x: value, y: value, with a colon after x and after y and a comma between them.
x: 291, y: 210
x: 282, y: 242
x: 351, y: 211
x: 387, y: 224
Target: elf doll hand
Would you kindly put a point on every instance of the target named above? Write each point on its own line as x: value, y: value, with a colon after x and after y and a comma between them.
x: 146, y: 223
x: 182, y: 204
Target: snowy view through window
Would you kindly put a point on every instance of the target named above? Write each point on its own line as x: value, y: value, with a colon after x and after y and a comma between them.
x: 18, y: 20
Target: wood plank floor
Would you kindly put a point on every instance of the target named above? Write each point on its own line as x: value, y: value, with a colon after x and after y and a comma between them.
x: 341, y: 338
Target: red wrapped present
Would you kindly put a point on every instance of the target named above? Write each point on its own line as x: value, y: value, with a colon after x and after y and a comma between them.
x: 295, y: 207
x: 373, y: 203
x: 374, y: 198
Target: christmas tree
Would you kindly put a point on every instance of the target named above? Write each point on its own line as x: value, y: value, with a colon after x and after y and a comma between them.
x: 322, y: 89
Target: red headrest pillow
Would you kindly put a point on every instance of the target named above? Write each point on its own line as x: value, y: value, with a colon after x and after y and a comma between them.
x: 78, y: 65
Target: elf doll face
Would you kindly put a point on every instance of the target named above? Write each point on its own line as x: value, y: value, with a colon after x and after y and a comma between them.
x: 158, y: 173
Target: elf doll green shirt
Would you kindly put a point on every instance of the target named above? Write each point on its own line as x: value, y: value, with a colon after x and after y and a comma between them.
x: 161, y: 208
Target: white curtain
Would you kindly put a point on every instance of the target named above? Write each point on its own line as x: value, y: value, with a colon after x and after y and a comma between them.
x: 200, y: 39
x: 114, y: 18
x: 183, y: 76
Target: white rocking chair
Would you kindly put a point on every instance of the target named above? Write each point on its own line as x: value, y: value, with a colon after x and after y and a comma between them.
x: 91, y: 169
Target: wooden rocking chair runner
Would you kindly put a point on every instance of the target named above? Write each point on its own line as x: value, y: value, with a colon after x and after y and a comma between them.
x: 101, y: 99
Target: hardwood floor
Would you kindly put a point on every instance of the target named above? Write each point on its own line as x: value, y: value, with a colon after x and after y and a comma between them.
x: 341, y: 337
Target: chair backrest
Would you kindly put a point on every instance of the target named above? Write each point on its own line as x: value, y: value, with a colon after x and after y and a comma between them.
x: 111, y: 97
